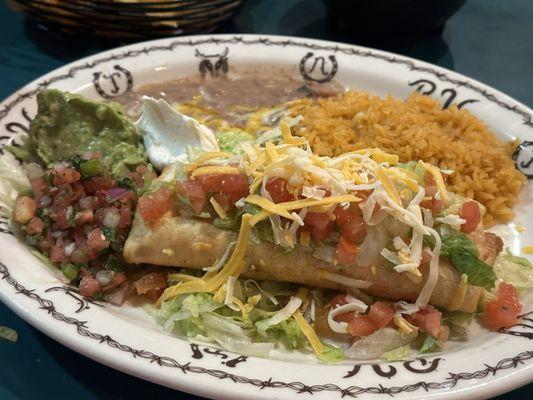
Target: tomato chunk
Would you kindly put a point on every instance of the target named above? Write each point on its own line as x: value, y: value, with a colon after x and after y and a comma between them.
x: 346, y: 251
x: 428, y: 320
x: 39, y: 187
x: 36, y: 225
x: 277, y: 187
x: 155, y: 205
x: 65, y: 175
x: 504, y: 311
x: 433, y: 204
x: 89, y: 285
x: 354, y: 230
x: 471, y: 213
x: 342, y: 216
x: 193, y: 190
x: 96, y: 240
x: 25, y: 208
x: 361, y: 325
x: 320, y: 224
x: 381, y: 314
x: 151, y: 285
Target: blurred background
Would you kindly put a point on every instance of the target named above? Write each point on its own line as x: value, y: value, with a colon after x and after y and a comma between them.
x: 489, y: 40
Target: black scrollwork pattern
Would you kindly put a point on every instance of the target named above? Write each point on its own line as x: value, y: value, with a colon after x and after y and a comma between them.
x: 199, y: 353
x: 431, y: 365
x: 388, y: 371
x: 83, y: 302
x: 281, y: 43
x: 113, y: 84
x: 428, y: 87
x: 297, y: 387
x: 523, y: 329
x: 316, y: 68
x: 523, y: 158
x: 16, y: 129
x: 220, y: 66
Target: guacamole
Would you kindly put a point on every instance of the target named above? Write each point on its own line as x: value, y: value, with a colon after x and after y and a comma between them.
x: 69, y: 124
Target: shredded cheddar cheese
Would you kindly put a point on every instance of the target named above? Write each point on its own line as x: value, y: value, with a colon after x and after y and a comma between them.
x: 215, y: 169
x: 218, y: 208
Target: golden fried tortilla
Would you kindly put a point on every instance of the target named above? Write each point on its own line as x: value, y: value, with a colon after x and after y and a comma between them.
x: 194, y: 243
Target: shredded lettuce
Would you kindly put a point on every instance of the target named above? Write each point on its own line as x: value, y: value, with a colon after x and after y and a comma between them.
x: 416, y: 168
x: 458, y: 321
x: 14, y: 181
x: 430, y: 345
x: 8, y: 334
x: 514, y: 269
x: 331, y: 354
x: 198, y: 316
x: 463, y: 255
x: 230, y: 141
x: 397, y: 354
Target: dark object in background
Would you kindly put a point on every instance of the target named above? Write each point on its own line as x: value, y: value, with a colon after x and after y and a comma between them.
x: 382, y: 21
x: 128, y: 20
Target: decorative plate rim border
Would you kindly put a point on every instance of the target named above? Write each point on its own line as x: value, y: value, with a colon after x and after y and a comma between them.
x: 353, y: 50
x: 283, y: 41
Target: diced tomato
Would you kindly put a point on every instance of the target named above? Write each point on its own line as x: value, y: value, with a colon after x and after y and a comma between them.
x: 96, y: 240
x: 80, y: 255
x: 151, y: 285
x: 125, y: 217
x: 155, y: 205
x: 433, y: 204
x: 78, y: 191
x: 320, y: 224
x: 39, y: 187
x: 504, y: 311
x: 36, y: 225
x: 65, y: 175
x: 428, y: 320
x: 381, y: 314
x: 277, y: 187
x: 194, y: 191
x: 344, y: 317
x: 25, y: 208
x: 84, y: 217
x: 346, y: 251
x: 342, y: 216
x: 89, y: 286
x: 97, y: 183
x: 57, y: 253
x: 354, y: 230
x: 137, y: 179
x: 118, y: 279
x: 47, y: 242
x: 338, y: 300
x: 234, y: 186
x: 361, y: 325
x: 471, y: 213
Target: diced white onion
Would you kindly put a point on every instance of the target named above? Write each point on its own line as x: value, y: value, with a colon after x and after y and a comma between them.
x: 230, y: 287
x: 222, y: 260
x: 353, y: 305
x: 104, y: 277
x: 433, y: 276
x: 69, y: 249
x: 312, y: 192
x: 345, y: 281
x: 287, y: 311
x: 403, y: 307
x: 111, y: 218
x: 264, y: 292
x: 68, y: 212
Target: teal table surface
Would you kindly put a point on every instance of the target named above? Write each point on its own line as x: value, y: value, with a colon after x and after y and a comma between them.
x: 489, y: 40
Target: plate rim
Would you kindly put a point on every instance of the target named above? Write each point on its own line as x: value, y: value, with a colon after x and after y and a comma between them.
x: 70, y: 69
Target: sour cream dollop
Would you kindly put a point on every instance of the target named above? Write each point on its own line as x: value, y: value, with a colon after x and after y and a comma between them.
x: 167, y: 133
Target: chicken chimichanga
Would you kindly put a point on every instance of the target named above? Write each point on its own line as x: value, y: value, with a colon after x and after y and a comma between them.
x: 360, y: 220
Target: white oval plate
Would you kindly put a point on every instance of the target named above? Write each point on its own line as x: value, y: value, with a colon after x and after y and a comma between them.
x: 126, y: 339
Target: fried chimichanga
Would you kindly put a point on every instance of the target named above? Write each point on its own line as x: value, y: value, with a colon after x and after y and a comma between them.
x: 194, y: 243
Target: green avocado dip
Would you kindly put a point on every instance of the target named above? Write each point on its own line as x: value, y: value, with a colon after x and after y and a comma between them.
x: 70, y: 125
